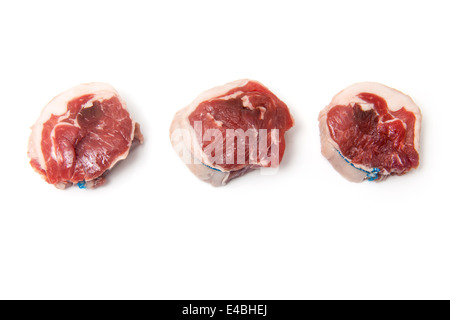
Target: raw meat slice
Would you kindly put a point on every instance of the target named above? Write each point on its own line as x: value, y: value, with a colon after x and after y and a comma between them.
x: 229, y: 130
x: 80, y: 135
x: 370, y: 131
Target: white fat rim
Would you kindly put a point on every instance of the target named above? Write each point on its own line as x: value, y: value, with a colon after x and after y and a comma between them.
x: 58, y: 107
x: 395, y: 100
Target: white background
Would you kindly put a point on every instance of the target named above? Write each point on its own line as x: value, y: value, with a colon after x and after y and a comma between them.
x: 155, y: 231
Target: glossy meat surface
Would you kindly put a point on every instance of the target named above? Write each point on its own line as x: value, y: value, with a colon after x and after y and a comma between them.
x: 80, y: 135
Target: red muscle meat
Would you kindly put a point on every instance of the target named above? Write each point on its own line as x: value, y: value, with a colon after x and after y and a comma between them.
x: 374, y: 131
x: 80, y: 135
x: 243, y: 116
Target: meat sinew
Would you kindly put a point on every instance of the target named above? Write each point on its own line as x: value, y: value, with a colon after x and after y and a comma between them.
x: 229, y: 130
x: 370, y: 131
x: 80, y: 135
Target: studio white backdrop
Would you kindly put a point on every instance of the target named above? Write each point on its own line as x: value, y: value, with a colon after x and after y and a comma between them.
x: 155, y: 231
